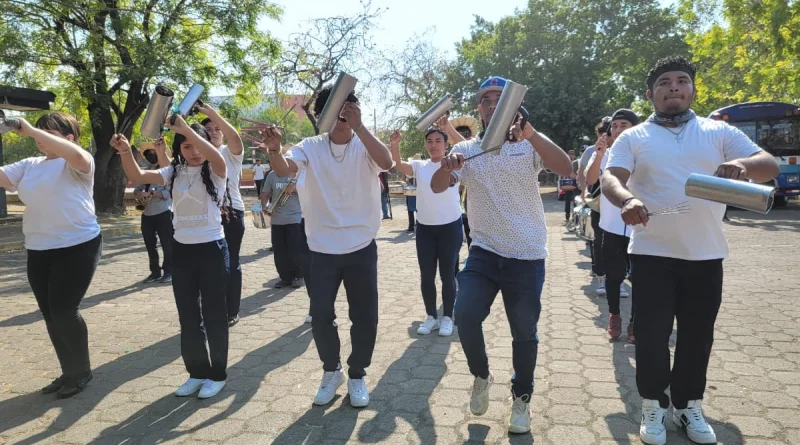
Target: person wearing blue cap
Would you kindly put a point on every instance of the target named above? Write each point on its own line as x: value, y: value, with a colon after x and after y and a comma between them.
x: 509, y: 238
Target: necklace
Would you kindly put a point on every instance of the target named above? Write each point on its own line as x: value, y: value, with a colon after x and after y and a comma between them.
x: 339, y: 159
x: 679, y: 134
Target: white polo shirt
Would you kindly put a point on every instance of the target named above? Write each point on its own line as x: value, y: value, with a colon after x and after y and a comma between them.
x: 434, y: 209
x: 660, y: 166
x: 340, y: 200
x: 610, y: 215
x: 506, y: 215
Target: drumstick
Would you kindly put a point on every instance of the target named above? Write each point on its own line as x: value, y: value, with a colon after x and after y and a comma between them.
x: 483, y: 153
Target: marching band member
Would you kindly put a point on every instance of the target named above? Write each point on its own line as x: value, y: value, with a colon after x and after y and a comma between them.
x: 339, y: 195
x: 156, y: 221
x: 439, y: 230
x: 219, y: 128
x: 197, y: 183
x: 62, y: 238
x: 676, y: 259
x: 508, y: 250
x: 616, y: 233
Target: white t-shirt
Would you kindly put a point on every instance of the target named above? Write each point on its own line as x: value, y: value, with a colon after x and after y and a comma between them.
x: 506, y: 215
x: 660, y: 166
x: 258, y: 172
x: 196, y: 217
x: 340, y: 201
x: 610, y: 215
x: 434, y: 209
x: 59, y: 208
x: 234, y: 163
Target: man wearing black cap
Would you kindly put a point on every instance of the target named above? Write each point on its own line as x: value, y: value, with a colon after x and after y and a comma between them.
x: 614, y: 247
x: 677, y: 258
x: 508, y: 250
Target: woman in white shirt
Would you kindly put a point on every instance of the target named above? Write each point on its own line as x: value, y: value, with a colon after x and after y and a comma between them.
x: 439, y: 230
x: 197, y: 182
x: 233, y: 152
x: 62, y: 238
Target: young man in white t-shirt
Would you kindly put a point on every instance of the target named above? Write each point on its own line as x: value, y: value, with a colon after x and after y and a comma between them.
x: 258, y: 175
x: 616, y: 234
x: 676, y: 259
x: 509, y: 246
x: 338, y: 190
x: 219, y: 128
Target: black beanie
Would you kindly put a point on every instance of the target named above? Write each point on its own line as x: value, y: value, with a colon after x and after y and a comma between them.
x: 628, y: 115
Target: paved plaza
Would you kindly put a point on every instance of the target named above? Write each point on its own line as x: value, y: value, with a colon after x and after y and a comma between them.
x: 585, y: 385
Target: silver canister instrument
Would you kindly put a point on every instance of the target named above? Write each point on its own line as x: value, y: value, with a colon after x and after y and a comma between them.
x: 742, y: 194
x: 8, y: 124
x: 329, y: 116
x: 504, y: 115
x: 157, y: 110
x: 191, y: 98
x: 435, y: 112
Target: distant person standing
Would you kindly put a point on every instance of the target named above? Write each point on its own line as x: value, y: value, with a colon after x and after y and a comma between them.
x: 384, y: 180
x: 258, y: 175
x: 156, y: 223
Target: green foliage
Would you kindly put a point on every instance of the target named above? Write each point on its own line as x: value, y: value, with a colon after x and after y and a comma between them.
x: 745, y: 51
x: 17, y: 148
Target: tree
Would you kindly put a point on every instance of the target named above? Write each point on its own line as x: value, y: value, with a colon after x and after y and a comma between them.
x: 111, y: 52
x: 745, y: 51
x: 314, y: 56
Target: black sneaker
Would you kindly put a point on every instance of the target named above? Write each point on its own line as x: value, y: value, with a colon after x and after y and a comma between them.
x: 233, y: 320
x: 55, y: 386
x: 74, y: 386
x: 166, y: 279
x: 298, y: 282
x: 151, y: 279
x: 282, y: 284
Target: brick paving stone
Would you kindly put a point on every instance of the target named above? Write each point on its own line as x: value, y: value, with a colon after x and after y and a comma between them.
x: 585, y: 385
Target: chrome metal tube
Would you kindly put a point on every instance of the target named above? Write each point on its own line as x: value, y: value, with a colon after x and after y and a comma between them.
x: 504, y: 115
x: 744, y: 195
x: 8, y: 124
x: 329, y: 116
x: 190, y: 99
x: 434, y: 113
x: 157, y: 110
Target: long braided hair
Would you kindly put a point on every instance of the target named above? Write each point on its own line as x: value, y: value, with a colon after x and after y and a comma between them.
x: 226, y: 206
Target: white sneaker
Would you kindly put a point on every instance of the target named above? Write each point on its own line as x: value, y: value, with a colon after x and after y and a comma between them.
x: 623, y: 293
x: 190, y: 387
x: 653, y: 430
x: 210, y: 388
x: 308, y: 319
x: 692, y: 421
x: 431, y: 324
x: 327, y: 389
x: 446, y: 327
x: 479, y: 403
x: 601, y: 286
x: 519, y: 421
x: 359, y: 396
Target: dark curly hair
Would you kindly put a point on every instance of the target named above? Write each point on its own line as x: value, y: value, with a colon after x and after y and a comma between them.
x: 436, y: 130
x: 226, y: 206
x: 322, y: 99
x: 667, y: 64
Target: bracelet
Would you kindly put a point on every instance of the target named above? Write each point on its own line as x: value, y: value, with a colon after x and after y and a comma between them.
x: 273, y: 152
x: 624, y: 203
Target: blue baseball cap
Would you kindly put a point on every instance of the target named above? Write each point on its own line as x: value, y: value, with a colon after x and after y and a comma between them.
x: 494, y: 83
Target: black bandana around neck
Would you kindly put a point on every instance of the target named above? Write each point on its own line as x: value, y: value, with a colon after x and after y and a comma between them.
x: 677, y: 120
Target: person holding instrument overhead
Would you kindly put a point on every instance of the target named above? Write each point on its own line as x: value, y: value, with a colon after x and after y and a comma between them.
x: 439, y: 230
x: 339, y: 195
x: 676, y: 260
x: 62, y: 238
x: 509, y: 236
x: 197, y: 182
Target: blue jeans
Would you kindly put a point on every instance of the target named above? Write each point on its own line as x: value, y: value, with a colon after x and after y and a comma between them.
x: 385, y: 204
x: 520, y: 281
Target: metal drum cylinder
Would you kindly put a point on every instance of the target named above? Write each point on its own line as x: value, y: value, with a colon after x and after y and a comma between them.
x: 190, y: 99
x: 329, y: 116
x: 744, y: 195
x: 434, y: 113
x: 156, y: 115
x: 7, y: 124
x: 504, y: 115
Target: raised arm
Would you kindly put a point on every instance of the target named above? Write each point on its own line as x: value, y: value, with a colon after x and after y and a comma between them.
x: 214, y: 157
x: 77, y: 158
x: 454, y: 137
x: 593, y: 170
x: 375, y: 148
x: 761, y: 167
x: 447, y: 174
x: 553, y: 157
x: 400, y: 165
x: 129, y: 165
x: 231, y: 135
x: 164, y: 160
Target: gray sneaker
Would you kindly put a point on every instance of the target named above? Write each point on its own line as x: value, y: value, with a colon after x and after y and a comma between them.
x: 298, y: 282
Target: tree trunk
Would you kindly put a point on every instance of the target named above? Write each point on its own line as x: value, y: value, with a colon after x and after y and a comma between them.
x: 307, y: 108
